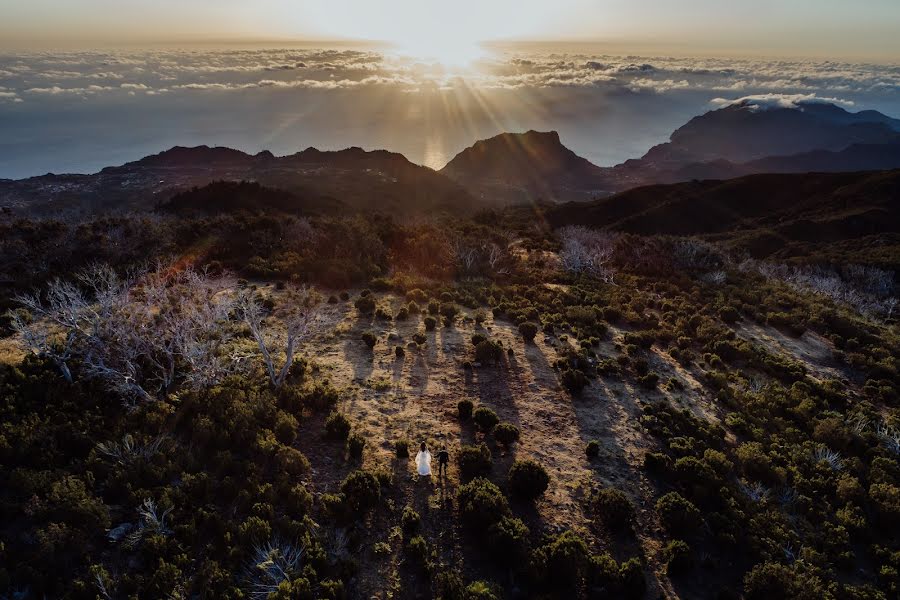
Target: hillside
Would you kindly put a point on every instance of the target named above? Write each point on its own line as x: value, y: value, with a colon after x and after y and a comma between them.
x: 820, y: 207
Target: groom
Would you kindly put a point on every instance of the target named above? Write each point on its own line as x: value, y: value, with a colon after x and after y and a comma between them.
x: 443, y: 462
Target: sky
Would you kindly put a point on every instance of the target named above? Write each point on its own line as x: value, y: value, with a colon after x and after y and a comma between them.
x: 837, y: 29
x: 91, y: 83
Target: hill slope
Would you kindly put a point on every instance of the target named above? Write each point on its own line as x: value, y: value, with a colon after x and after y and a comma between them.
x: 821, y: 207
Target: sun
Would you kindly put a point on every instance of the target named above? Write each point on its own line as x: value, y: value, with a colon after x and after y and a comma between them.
x: 448, y: 50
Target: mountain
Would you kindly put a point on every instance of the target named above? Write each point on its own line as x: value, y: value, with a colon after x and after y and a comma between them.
x: 522, y: 167
x: 352, y: 179
x: 737, y: 140
x: 747, y: 131
x: 767, y: 211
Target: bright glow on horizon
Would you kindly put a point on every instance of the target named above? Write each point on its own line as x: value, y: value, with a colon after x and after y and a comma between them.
x: 450, y: 31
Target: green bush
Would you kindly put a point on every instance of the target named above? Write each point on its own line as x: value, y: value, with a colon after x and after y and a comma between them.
x: 574, y: 380
x: 401, y: 448
x: 528, y: 331
x: 410, y: 521
x: 771, y: 580
x: 678, y: 558
x: 614, y: 508
x: 564, y: 562
x: 528, y: 479
x: 285, y: 428
x: 356, y: 443
x: 430, y: 323
x: 506, y: 433
x: 485, y: 418
x: 488, y: 352
x: 474, y: 460
x: 508, y: 540
x: 481, y: 504
x: 465, y: 407
x: 482, y: 590
x: 337, y: 426
x: 417, y: 550
x: 369, y: 338
x: 365, y: 304
x: 678, y: 514
x: 361, y: 491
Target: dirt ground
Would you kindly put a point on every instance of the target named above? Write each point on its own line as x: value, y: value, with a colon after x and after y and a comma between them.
x: 415, y: 397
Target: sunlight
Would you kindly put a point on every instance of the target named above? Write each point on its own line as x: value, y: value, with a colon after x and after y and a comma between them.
x: 452, y: 52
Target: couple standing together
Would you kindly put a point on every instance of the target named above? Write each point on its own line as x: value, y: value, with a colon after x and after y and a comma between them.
x: 423, y: 461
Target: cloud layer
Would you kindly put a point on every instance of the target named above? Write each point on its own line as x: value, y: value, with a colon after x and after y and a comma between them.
x: 161, y: 71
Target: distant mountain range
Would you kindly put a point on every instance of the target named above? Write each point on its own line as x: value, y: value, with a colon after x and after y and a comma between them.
x: 347, y: 179
x: 741, y: 139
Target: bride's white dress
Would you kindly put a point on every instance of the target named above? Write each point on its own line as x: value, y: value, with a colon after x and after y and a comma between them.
x: 423, y: 462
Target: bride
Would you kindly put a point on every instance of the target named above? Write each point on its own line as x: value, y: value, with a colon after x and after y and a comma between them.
x: 423, y: 461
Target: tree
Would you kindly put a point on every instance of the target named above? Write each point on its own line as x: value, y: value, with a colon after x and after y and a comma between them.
x: 587, y: 251
x: 297, y: 312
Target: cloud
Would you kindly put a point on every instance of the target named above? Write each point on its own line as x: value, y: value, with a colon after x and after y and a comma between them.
x: 775, y: 101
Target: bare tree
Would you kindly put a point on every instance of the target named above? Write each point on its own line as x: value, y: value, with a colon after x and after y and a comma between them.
x: 139, y: 335
x: 297, y: 313
x: 463, y: 255
x: 587, y: 251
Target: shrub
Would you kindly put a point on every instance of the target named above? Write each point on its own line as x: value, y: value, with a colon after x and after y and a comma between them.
x: 482, y: 590
x: 485, y: 418
x: 565, y: 560
x: 771, y: 580
x: 678, y: 514
x: 344, y: 296
x: 449, y: 311
x: 291, y: 461
x: 417, y: 550
x: 477, y: 338
x: 614, y: 508
x: 361, y: 491
x: 506, y: 433
x: 574, y: 380
x: 419, y: 337
x: 399, y: 352
x: 383, y: 314
x: 332, y: 299
x: 464, y: 407
x: 285, y: 428
x: 430, y: 323
x: 369, y: 338
x: 337, y: 426
x: 474, y: 460
x: 488, y: 352
x: 528, y: 331
x: 481, y: 504
x: 402, y: 313
x: 678, y: 557
x: 508, y: 540
x: 632, y: 580
x: 528, y: 479
x: 355, y: 445
x: 365, y: 304
x: 592, y: 449
x: 401, y: 448
x: 410, y: 520
x: 657, y: 463
x: 648, y: 381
